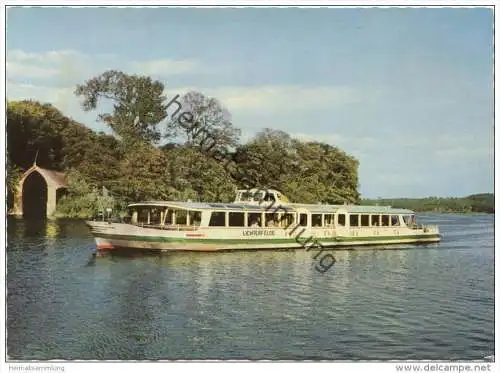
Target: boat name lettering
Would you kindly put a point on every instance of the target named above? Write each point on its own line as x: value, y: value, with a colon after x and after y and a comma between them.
x: 258, y: 233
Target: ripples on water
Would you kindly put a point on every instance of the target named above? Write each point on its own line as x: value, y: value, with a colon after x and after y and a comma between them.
x: 423, y: 302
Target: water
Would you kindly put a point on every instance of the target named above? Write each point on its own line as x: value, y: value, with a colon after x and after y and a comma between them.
x: 424, y: 302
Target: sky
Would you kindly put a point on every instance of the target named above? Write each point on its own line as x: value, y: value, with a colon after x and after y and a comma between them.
x: 406, y: 91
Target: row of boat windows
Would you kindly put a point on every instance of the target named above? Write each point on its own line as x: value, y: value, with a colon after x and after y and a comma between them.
x: 237, y: 219
x: 157, y: 216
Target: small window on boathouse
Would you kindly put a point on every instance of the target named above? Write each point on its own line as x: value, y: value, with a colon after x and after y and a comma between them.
x: 394, y: 220
x: 385, y: 220
x: 354, y: 220
x: 365, y: 220
x: 217, y: 219
x: 236, y: 219
x: 375, y: 220
x: 328, y: 220
x: 342, y: 220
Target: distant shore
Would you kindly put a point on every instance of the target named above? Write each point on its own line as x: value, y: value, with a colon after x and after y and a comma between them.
x: 483, y: 203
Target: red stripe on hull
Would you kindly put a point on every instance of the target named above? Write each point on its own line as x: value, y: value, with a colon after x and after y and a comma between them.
x: 105, y: 246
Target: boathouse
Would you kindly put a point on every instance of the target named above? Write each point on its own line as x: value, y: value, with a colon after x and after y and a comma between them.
x: 38, y: 192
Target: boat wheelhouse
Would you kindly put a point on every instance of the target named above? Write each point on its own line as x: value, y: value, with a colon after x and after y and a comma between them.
x: 258, y: 219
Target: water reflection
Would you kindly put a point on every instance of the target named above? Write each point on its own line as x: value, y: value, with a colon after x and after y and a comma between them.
x: 430, y: 302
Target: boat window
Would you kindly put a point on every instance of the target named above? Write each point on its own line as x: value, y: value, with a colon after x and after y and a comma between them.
x: 354, y: 220
x: 385, y: 220
x: 246, y: 196
x: 316, y: 220
x: 195, y: 217
x: 365, y: 220
x: 236, y: 219
x: 328, y: 220
x: 143, y: 216
x: 258, y: 196
x: 287, y: 220
x: 181, y: 217
x: 342, y: 220
x: 271, y: 220
x: 269, y: 197
x: 168, y: 218
x: 254, y: 219
x: 303, y: 220
x: 375, y: 220
x: 217, y: 219
x: 394, y: 220
x: 154, y: 216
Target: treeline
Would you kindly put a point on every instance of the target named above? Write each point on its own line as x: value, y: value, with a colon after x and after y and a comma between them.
x: 151, y: 155
x: 476, y: 203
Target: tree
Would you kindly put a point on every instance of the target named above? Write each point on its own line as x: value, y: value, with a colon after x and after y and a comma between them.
x: 307, y: 172
x: 334, y: 173
x: 206, y: 124
x: 34, y: 128
x: 137, y: 104
x: 266, y: 158
x: 143, y: 175
x: 82, y: 199
x: 197, y: 176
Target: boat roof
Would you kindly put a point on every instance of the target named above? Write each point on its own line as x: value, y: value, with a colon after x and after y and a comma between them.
x: 315, y: 209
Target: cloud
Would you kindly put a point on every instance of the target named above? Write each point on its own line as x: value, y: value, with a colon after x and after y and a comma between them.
x: 279, y: 97
x: 21, y: 91
x: 44, y: 57
x: 21, y: 70
x: 69, y: 67
x: 165, y: 67
x: 24, y: 65
x: 62, y: 98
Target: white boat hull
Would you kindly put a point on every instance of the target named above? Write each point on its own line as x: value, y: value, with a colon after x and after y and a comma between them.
x: 109, y: 236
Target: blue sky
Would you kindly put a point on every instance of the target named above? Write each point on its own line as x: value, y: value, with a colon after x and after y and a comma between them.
x: 408, y: 92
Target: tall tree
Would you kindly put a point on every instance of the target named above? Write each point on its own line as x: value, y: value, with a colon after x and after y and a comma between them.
x: 137, y: 101
x: 34, y: 128
x: 205, y: 179
x: 265, y: 159
x: 206, y: 124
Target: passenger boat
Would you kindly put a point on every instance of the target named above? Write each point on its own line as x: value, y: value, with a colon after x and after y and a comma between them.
x: 258, y: 219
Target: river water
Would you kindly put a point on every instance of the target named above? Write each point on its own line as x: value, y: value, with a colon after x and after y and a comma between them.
x: 414, y: 302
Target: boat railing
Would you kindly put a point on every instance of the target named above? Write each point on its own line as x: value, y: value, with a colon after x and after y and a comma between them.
x: 425, y: 227
x: 169, y: 227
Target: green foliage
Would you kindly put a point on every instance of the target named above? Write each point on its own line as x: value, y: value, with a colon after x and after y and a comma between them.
x: 207, y: 164
x: 31, y: 128
x: 199, y: 177
x: 82, y: 199
x: 60, y: 142
x: 476, y: 203
x: 14, y: 174
x: 137, y: 104
x: 206, y: 125
x: 307, y: 172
